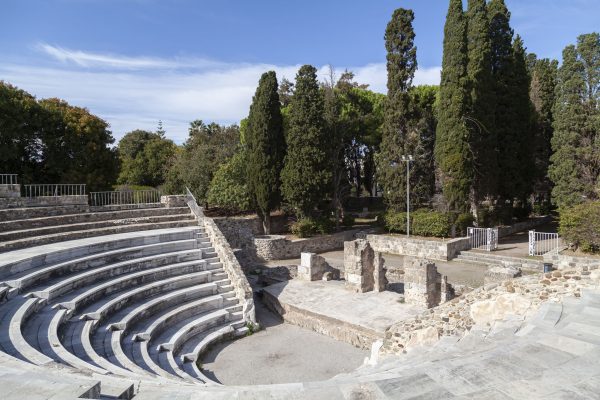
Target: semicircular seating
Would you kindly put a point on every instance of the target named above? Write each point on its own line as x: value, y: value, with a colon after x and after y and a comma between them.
x: 109, y: 306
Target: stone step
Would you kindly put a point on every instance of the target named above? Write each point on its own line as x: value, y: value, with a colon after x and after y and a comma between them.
x: 18, y: 262
x: 121, y: 301
x: 163, y: 302
x: 56, y: 229
x: 191, y: 270
x: 221, y: 333
x: 97, y: 275
x: 98, y: 260
x: 178, y: 314
x: 88, y: 217
x: 64, y: 236
x: 193, y: 328
x: 476, y: 256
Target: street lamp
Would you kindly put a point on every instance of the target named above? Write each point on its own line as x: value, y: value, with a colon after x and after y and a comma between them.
x: 407, y: 159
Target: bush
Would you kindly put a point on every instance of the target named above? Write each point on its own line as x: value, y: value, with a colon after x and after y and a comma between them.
x: 348, y: 221
x: 307, y: 227
x: 580, y: 226
x: 422, y: 223
x: 228, y: 189
x: 463, y: 222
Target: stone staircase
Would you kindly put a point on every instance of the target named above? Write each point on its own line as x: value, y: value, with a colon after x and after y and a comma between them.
x: 487, y: 258
x: 21, y: 228
x: 136, y: 306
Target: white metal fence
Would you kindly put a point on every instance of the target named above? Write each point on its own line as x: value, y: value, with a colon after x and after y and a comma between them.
x: 124, y: 198
x: 541, y: 243
x: 54, y: 190
x: 8, y: 179
x: 483, y: 238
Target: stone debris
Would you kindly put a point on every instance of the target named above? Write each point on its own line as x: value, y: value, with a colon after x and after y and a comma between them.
x: 501, y: 273
x: 515, y: 298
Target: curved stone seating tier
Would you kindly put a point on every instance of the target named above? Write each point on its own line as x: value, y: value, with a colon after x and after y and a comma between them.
x: 180, y: 248
x: 41, y: 219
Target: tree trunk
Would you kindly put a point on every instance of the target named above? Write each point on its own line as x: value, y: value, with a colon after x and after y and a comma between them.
x: 266, y: 220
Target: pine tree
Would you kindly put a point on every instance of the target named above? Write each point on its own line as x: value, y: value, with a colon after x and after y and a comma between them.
x: 452, y: 150
x: 480, y: 116
x: 401, y: 67
x: 575, y: 163
x: 265, y: 148
x: 306, y: 173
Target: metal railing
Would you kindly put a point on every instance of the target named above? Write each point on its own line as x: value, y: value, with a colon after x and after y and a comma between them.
x: 8, y: 179
x: 54, y: 190
x: 483, y: 238
x: 124, y: 198
x: 541, y: 243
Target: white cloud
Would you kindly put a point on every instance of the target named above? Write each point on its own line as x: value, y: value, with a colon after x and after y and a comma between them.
x: 134, y: 93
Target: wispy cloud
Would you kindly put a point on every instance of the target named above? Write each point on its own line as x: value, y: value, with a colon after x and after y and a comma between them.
x: 134, y: 93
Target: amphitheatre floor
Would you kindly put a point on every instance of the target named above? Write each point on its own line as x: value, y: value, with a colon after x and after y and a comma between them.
x: 280, y: 353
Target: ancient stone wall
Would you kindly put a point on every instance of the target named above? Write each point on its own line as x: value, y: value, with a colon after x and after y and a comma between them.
x: 169, y: 201
x: 359, y: 266
x: 278, y: 247
x: 45, y: 201
x: 523, y: 226
x: 563, y: 261
x: 313, y: 267
x: 429, y: 249
x: 420, y: 282
x: 517, y: 298
x: 10, y: 191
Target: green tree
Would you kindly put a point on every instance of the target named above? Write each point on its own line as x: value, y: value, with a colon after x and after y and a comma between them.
x: 452, y: 145
x: 401, y: 67
x: 205, y: 150
x: 228, y: 188
x: 306, y: 173
x: 575, y: 163
x: 145, y: 157
x: 480, y: 115
x: 265, y: 148
x: 75, y: 147
x: 542, y: 94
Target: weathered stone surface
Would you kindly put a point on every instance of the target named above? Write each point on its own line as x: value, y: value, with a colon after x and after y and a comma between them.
x: 500, y: 273
x: 486, y: 311
x: 314, y: 267
x: 174, y: 200
x: 10, y: 191
x: 379, y: 277
x: 442, y: 250
x: 420, y: 282
x: 278, y: 247
x: 359, y: 266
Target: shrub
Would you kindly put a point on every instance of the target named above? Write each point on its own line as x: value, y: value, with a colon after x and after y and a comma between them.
x: 463, y: 222
x: 431, y: 223
x: 228, y: 189
x: 348, y: 220
x: 580, y: 226
x: 307, y: 227
x: 422, y: 223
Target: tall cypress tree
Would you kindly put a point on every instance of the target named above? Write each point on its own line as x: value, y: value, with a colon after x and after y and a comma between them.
x: 401, y: 67
x: 523, y: 131
x: 501, y: 36
x: 452, y: 146
x: 575, y: 169
x: 480, y: 116
x: 306, y: 173
x: 265, y: 148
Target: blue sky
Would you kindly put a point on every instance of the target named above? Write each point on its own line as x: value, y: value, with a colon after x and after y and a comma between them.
x: 133, y: 62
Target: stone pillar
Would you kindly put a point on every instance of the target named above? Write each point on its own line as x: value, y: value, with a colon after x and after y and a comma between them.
x: 446, y: 290
x: 359, y: 266
x: 420, y: 282
x: 380, y: 281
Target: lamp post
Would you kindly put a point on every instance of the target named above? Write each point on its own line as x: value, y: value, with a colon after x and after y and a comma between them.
x: 407, y: 159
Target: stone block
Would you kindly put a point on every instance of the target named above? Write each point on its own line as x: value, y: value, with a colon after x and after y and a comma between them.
x: 174, y: 200
x: 313, y: 267
x: 500, y: 273
x: 420, y: 282
x: 379, y: 278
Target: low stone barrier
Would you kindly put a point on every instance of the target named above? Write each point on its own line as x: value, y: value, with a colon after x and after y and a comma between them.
x: 422, y: 248
x: 523, y: 226
x: 43, y: 201
x: 178, y: 200
x: 278, y: 247
x: 562, y: 261
x: 10, y: 190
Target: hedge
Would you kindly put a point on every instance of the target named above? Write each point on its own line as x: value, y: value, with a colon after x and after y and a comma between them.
x: 580, y: 226
x: 422, y: 223
x: 308, y: 227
